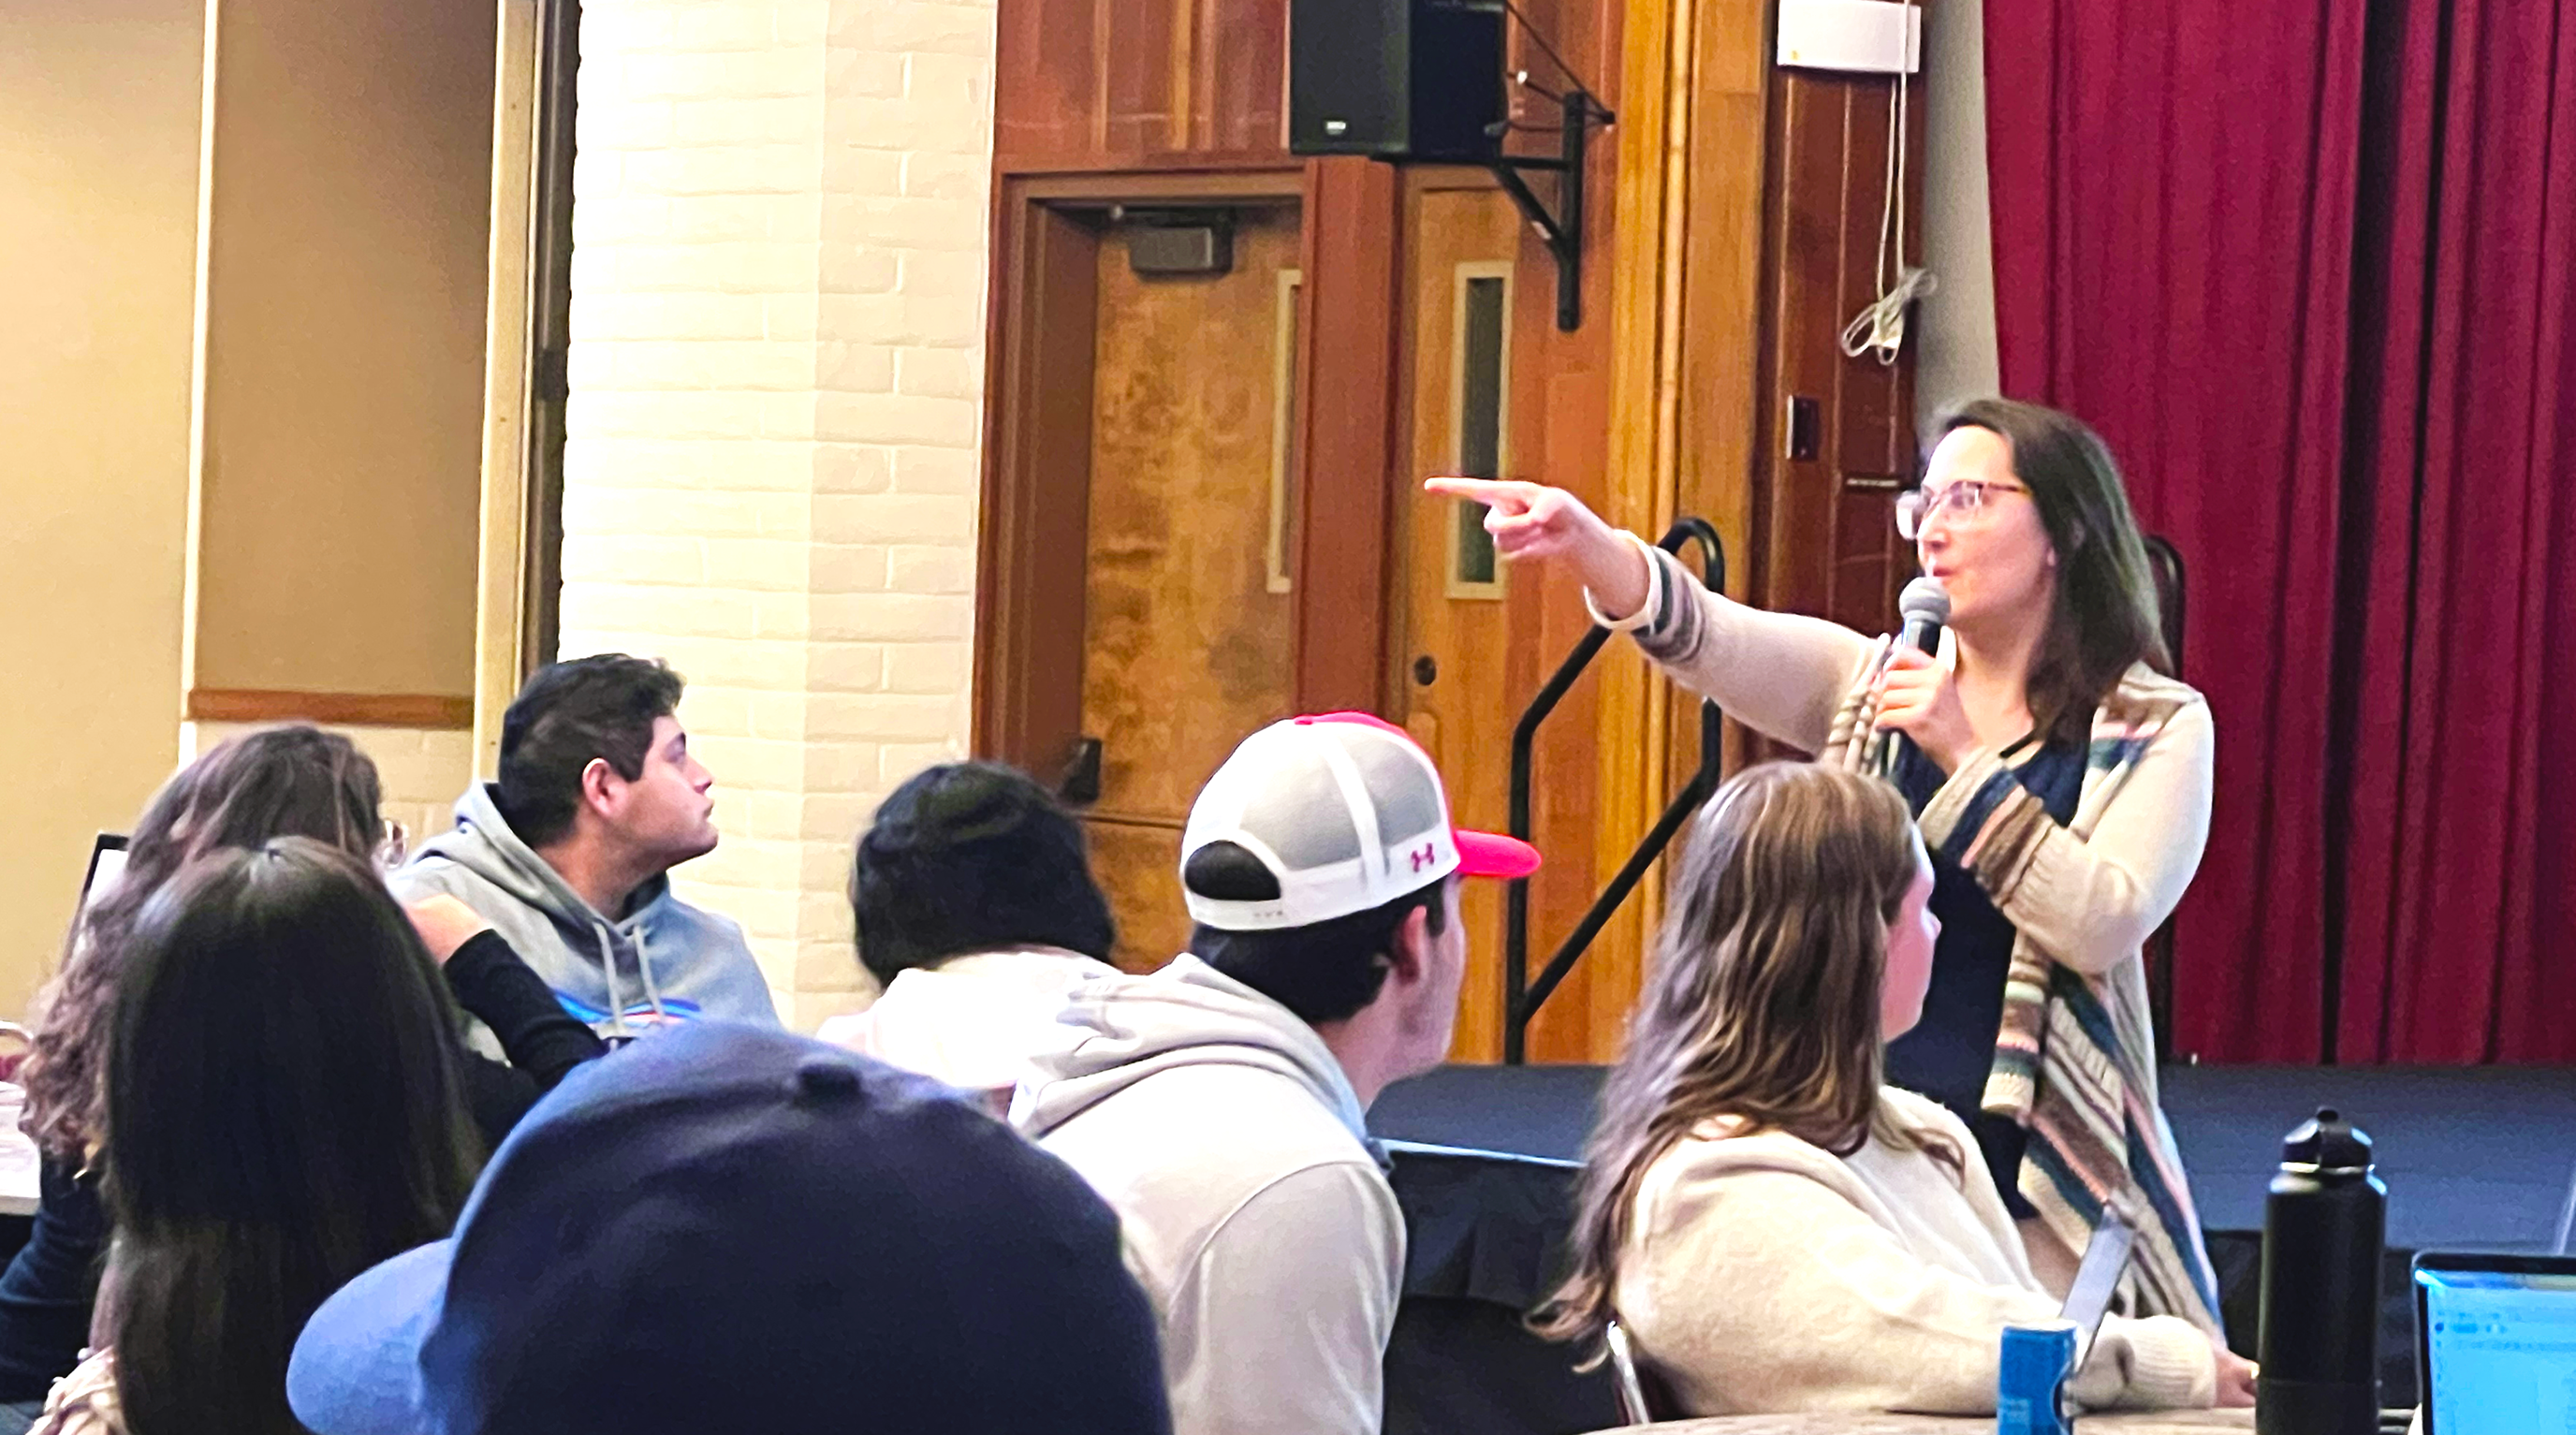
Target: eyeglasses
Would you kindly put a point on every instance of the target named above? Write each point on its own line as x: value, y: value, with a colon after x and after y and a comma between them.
x: 1966, y: 501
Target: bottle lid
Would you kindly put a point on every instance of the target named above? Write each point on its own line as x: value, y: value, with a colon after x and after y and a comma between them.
x: 2328, y: 1143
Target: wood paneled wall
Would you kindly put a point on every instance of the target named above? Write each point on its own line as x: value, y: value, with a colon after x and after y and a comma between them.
x: 1733, y: 222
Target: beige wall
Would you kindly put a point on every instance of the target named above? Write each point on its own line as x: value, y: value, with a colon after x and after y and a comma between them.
x: 777, y: 375
x: 1956, y: 325
x: 98, y: 185
x: 349, y: 193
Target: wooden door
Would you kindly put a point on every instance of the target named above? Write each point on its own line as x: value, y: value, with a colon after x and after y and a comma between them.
x: 1186, y: 587
x: 1458, y: 697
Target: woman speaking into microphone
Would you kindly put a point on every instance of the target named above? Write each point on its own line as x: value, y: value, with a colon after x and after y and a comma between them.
x: 2061, y: 780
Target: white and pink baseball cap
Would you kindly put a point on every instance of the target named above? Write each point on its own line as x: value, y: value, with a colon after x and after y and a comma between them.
x: 1347, y: 812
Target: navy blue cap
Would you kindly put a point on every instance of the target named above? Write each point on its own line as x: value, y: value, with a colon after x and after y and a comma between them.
x: 729, y: 1228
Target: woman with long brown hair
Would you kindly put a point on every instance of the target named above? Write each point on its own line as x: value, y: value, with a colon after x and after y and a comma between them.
x: 293, y: 781
x: 1775, y: 1228
x: 284, y: 1109
x: 2061, y: 776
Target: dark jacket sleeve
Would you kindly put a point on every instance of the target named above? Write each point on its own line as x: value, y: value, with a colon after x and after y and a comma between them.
x: 46, y: 1292
x: 542, y: 1040
x: 501, y: 991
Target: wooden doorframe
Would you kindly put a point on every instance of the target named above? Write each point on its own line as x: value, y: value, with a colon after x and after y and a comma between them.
x: 1349, y: 447
x: 519, y: 543
x: 1027, y: 703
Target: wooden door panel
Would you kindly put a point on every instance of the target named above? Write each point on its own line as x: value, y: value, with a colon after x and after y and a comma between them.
x: 1186, y: 624
x: 1139, y: 866
x: 1832, y: 547
x: 1455, y: 660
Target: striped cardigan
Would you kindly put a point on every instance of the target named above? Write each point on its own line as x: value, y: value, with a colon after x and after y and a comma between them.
x: 2075, y: 1056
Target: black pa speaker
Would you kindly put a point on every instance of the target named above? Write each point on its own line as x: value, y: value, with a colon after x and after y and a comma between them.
x: 1396, y: 79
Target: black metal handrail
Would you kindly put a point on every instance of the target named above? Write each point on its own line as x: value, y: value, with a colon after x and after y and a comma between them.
x: 2164, y: 565
x: 1521, y: 997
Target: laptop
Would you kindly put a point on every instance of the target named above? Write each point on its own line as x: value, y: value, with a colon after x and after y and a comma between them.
x: 2496, y: 1343
x: 2097, y: 1280
x: 106, y: 863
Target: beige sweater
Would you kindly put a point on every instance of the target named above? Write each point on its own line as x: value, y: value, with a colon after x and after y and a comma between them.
x: 1763, y: 1274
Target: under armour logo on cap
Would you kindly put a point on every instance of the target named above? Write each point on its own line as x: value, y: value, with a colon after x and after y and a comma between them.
x: 1428, y: 854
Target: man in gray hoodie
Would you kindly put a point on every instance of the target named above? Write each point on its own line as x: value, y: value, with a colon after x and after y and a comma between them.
x: 1217, y: 1104
x: 567, y: 855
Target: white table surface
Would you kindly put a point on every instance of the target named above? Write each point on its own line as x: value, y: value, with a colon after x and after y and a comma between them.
x: 2171, y: 1422
x: 18, y: 1163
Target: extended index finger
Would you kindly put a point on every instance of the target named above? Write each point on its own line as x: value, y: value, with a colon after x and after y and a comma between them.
x: 1505, y: 494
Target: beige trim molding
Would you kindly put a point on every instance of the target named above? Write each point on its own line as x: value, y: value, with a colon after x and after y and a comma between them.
x: 500, y: 565
x: 413, y: 710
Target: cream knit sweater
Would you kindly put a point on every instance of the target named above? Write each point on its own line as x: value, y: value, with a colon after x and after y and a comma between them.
x: 1763, y: 1274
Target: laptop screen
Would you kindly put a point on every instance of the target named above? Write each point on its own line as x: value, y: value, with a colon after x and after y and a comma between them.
x: 2499, y: 1346
x: 106, y: 864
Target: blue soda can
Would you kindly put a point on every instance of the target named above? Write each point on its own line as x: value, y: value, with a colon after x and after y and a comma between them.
x: 2030, y: 1387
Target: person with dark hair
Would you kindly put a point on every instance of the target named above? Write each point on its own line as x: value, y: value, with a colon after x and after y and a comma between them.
x: 292, y: 781
x: 283, y: 1092
x: 2062, y: 777
x: 568, y: 855
x: 729, y: 1229
x: 975, y: 908
x: 1218, y: 1103
x: 1773, y: 1227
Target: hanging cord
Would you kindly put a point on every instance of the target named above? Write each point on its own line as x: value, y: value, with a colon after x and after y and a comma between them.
x: 1880, y: 327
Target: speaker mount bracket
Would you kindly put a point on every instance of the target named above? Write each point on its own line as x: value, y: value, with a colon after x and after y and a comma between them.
x: 1562, y: 228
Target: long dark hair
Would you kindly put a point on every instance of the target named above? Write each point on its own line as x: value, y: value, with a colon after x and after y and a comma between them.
x: 279, y: 782
x: 2105, y: 617
x: 283, y: 1112
x: 1763, y: 1004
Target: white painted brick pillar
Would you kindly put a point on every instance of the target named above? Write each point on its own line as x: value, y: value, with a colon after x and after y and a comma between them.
x: 779, y: 225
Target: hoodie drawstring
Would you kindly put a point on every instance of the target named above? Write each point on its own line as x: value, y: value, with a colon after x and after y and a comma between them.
x: 608, y: 966
x: 644, y: 964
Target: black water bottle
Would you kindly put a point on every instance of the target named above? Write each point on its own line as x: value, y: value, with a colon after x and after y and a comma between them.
x: 2323, y: 1232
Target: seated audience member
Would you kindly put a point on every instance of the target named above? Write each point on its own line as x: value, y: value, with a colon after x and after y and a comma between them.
x: 283, y: 1092
x: 1217, y: 1103
x: 734, y: 1229
x: 976, y: 909
x: 1776, y: 1229
x: 567, y: 855
x: 280, y: 782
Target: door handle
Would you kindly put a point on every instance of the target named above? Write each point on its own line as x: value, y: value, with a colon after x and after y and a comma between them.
x: 1080, y: 785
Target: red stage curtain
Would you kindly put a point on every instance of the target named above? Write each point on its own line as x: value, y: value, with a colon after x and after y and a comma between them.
x: 2307, y: 267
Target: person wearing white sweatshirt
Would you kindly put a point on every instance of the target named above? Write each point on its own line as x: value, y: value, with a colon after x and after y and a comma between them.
x: 976, y: 910
x: 1775, y: 1228
x: 1218, y: 1103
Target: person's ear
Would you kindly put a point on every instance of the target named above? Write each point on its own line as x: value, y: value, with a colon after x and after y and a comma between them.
x: 1409, y: 955
x: 600, y: 786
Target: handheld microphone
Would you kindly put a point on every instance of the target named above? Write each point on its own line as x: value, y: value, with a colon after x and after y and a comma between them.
x: 1925, y: 608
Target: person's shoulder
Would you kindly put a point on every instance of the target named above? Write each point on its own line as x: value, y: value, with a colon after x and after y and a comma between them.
x: 433, y: 874
x: 1207, y: 1137
x: 1252, y: 1111
x: 1725, y: 1147
x: 704, y: 927
x: 1917, y: 1114
x: 1303, y: 1210
x: 1739, y: 1177
x: 2144, y: 693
